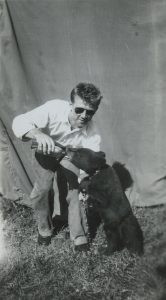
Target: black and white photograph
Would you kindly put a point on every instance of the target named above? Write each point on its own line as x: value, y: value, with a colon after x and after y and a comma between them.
x: 82, y: 150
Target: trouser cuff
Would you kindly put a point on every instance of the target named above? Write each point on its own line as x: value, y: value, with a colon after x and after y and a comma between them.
x: 80, y: 240
x: 45, y: 232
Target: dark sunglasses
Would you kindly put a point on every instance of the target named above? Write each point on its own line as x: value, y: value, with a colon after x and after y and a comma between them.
x: 80, y: 110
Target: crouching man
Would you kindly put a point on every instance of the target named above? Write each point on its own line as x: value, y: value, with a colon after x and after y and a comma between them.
x: 69, y: 123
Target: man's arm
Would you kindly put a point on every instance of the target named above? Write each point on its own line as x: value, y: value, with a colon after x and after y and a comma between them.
x: 29, y: 126
x: 36, y: 118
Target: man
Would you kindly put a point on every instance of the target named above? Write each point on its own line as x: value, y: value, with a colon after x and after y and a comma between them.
x: 69, y: 123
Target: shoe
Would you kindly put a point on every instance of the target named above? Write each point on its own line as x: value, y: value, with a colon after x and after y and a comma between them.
x: 82, y: 248
x: 44, y: 240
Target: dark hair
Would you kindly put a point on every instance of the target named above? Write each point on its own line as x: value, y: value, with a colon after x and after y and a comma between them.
x: 88, y: 92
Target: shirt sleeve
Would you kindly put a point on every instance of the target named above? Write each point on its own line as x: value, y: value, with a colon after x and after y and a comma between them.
x: 36, y: 118
x: 93, y: 139
x: 93, y: 143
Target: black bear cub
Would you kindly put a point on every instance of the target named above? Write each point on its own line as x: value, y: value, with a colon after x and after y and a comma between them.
x: 106, y: 190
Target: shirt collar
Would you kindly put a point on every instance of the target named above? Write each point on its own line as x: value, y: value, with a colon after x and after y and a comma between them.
x: 82, y: 130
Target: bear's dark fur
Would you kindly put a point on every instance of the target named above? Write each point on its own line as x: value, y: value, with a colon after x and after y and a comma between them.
x: 86, y: 159
x: 106, y: 191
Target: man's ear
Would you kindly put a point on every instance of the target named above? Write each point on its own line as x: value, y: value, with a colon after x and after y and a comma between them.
x: 71, y: 106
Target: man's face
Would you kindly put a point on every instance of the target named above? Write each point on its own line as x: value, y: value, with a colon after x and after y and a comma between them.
x: 81, y: 113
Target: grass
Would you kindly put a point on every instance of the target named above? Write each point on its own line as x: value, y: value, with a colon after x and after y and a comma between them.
x: 29, y: 271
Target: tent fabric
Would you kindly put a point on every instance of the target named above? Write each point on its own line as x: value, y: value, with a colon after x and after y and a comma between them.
x: 47, y: 47
x: 12, y: 186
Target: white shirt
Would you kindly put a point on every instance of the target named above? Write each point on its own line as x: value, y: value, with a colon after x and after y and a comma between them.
x: 52, y: 118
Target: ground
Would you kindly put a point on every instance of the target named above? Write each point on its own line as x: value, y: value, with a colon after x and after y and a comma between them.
x: 29, y: 271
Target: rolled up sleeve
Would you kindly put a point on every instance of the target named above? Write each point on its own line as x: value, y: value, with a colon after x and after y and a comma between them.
x: 36, y: 118
x: 21, y: 126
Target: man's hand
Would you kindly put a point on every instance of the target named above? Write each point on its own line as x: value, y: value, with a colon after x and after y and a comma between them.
x: 45, y: 142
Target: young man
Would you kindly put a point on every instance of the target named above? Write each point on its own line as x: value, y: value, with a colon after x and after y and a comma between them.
x: 69, y: 123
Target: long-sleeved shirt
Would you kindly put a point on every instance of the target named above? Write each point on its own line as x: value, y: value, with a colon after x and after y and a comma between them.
x: 52, y: 118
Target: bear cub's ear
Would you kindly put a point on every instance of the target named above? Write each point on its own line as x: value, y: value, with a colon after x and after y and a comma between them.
x: 102, y: 154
